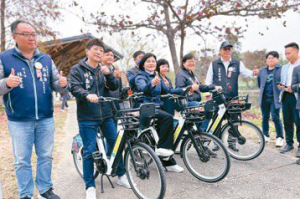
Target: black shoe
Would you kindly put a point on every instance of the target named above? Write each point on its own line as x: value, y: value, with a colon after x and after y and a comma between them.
x: 287, y: 148
x: 216, y: 148
x: 298, y: 153
x: 233, y: 147
x: 49, y: 195
x: 298, y: 161
x: 26, y: 197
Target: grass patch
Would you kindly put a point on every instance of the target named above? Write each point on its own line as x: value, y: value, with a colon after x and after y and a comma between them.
x: 254, y: 115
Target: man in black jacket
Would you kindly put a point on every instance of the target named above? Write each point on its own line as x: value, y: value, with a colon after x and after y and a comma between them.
x: 131, y: 73
x: 108, y: 60
x: 88, y: 81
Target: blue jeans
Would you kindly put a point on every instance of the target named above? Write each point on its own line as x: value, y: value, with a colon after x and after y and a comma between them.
x: 205, y: 123
x: 88, y: 133
x: 24, y: 135
x: 267, y: 107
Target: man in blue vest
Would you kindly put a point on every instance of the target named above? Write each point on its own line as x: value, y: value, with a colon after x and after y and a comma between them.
x: 27, y: 79
x: 225, y: 72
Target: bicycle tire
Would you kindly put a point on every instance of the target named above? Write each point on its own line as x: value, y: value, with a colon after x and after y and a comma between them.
x: 144, y: 168
x: 76, y: 162
x: 260, y: 140
x: 198, y: 171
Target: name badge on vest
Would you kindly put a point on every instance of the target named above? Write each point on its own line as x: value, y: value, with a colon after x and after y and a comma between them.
x: 230, y: 71
x: 38, y: 66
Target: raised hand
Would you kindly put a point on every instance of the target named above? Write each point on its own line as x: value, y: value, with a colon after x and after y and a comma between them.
x: 117, y: 73
x: 13, y: 80
x: 255, y: 71
x: 62, y: 80
x: 155, y: 81
x: 167, y: 83
x: 105, y: 70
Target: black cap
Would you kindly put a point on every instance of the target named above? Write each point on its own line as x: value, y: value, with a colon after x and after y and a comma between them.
x: 225, y: 44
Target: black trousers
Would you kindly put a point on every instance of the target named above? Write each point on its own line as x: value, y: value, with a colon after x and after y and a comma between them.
x: 290, y: 117
x: 165, y: 129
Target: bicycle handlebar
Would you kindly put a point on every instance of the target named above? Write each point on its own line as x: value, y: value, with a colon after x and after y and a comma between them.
x: 176, y: 96
x: 107, y: 99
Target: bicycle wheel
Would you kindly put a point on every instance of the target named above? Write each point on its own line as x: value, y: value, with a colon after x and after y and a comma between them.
x: 207, y: 165
x: 147, y: 138
x: 248, y: 146
x: 78, y: 161
x: 146, y: 180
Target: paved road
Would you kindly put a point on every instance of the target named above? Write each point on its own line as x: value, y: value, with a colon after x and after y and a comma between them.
x: 272, y: 175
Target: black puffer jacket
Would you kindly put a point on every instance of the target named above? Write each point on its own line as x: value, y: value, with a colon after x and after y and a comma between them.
x: 85, y: 80
x: 185, y: 78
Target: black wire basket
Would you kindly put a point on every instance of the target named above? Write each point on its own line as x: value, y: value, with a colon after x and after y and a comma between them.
x: 238, y: 104
x: 194, y: 114
x: 135, y: 118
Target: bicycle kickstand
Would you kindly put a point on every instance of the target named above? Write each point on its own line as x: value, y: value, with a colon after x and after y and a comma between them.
x: 102, y: 186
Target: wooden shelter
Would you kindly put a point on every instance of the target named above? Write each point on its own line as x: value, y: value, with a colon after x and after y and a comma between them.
x: 67, y: 52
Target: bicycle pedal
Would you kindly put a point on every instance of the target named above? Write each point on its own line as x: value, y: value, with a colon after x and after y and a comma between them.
x: 97, y: 156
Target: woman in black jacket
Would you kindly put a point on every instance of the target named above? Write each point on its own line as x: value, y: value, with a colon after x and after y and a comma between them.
x: 163, y: 69
x: 88, y: 81
x: 148, y: 82
x: 186, y: 77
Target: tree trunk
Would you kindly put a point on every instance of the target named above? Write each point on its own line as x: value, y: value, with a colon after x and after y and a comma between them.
x: 2, y: 25
x: 182, y: 36
x: 171, y: 39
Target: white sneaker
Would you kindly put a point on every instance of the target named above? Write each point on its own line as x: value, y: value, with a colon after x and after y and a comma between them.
x: 279, y: 142
x: 164, y: 152
x: 91, y: 193
x: 175, y: 168
x: 122, y: 181
x: 267, y: 139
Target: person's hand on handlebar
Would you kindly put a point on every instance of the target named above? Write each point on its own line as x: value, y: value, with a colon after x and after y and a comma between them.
x: 92, y: 98
x: 218, y: 88
x: 195, y: 86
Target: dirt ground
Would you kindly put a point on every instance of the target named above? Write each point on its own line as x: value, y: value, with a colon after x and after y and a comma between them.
x: 7, y: 173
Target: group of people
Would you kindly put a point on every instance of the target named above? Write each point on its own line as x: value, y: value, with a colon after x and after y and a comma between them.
x: 279, y: 88
x: 28, y: 77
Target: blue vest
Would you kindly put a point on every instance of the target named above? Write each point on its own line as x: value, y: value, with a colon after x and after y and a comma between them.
x: 220, y: 77
x: 32, y: 99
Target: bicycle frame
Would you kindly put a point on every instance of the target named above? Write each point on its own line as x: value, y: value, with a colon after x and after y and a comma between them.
x: 116, y: 154
x: 219, y: 116
x: 181, y: 127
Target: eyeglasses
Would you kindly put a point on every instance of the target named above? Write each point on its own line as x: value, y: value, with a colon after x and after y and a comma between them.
x: 27, y: 35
